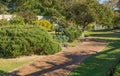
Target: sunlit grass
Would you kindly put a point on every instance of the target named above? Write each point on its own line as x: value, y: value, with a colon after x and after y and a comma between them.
x: 101, y: 63
x: 7, y: 65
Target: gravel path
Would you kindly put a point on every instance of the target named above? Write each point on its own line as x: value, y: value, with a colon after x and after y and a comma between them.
x: 60, y: 64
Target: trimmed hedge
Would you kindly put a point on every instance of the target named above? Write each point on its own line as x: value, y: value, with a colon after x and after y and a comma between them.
x: 20, y: 40
x: 72, y: 33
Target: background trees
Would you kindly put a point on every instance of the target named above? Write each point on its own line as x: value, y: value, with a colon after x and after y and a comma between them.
x: 65, y: 13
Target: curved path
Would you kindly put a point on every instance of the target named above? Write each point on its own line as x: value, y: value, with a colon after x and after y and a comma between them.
x: 61, y: 63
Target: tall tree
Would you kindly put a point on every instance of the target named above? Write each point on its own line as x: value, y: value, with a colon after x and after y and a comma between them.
x: 83, y: 13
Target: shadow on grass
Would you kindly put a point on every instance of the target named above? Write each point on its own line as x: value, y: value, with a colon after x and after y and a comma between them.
x: 73, y: 59
x: 97, y: 65
x: 101, y: 64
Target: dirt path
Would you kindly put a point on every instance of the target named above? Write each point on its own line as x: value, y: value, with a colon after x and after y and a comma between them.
x: 61, y: 63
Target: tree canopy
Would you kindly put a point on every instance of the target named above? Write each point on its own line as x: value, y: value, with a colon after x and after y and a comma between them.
x: 80, y: 12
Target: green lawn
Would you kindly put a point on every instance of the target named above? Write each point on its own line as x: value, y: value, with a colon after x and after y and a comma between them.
x: 100, y: 64
x: 7, y: 65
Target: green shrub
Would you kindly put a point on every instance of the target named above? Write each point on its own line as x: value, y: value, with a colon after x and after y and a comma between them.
x: 72, y: 32
x: 90, y: 27
x: 17, y: 20
x: 4, y: 22
x: 28, y: 16
x: 20, y: 40
x: 117, y: 70
x: 44, y: 23
x: 62, y: 38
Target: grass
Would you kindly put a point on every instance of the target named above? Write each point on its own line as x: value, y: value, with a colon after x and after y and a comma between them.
x: 7, y: 65
x: 101, y: 63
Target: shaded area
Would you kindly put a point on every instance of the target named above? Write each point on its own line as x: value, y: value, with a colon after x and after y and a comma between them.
x: 102, y: 63
x: 73, y: 60
x: 2, y: 73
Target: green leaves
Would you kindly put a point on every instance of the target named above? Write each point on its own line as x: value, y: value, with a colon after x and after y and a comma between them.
x: 19, y: 40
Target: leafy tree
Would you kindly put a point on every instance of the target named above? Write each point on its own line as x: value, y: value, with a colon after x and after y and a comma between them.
x: 86, y: 12
x: 116, y: 20
x: 81, y: 14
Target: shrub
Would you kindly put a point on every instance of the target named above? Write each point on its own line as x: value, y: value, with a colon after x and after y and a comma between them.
x: 44, y: 23
x: 62, y: 38
x: 117, y: 70
x: 90, y: 27
x: 17, y: 20
x: 72, y: 32
x: 4, y: 22
x: 28, y: 16
x: 20, y: 40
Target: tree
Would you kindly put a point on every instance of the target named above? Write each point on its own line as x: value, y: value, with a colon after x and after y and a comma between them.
x: 84, y: 13
x: 81, y: 14
x: 115, y: 6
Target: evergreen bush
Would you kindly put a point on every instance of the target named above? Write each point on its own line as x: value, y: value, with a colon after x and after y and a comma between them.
x: 19, y: 40
x: 72, y: 33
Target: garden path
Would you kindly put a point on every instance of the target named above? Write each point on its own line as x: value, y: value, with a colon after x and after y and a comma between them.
x: 60, y: 64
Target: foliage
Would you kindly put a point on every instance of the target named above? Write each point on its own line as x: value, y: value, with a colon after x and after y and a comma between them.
x: 105, y: 18
x: 90, y: 27
x: 4, y: 22
x: 62, y: 38
x: 17, y: 20
x: 72, y: 33
x: 40, y: 7
x: 20, y: 40
x: 28, y: 16
x: 88, y: 11
x: 116, y: 20
x: 117, y: 71
x: 81, y: 14
x: 3, y: 8
x: 44, y: 23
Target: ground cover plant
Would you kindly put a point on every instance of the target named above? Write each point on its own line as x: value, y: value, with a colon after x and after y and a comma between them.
x: 101, y: 63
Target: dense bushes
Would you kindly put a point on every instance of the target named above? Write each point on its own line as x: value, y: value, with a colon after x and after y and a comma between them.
x: 17, y: 20
x: 117, y: 70
x: 20, y: 40
x: 72, y: 32
x: 44, y: 23
x: 3, y: 22
x: 28, y: 16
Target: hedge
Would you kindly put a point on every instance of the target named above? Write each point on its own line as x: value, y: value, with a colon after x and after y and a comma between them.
x: 19, y: 40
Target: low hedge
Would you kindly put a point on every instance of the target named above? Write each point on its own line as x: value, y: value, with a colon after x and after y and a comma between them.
x: 18, y: 40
